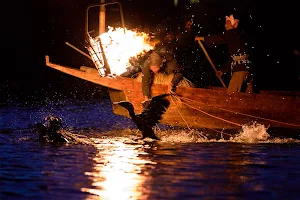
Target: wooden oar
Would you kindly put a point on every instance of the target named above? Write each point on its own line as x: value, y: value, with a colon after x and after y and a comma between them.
x: 210, y: 61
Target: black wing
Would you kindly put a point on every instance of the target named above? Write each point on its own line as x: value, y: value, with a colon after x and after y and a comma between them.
x: 153, y: 112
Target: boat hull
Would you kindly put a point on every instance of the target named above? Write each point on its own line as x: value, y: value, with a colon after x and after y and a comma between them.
x: 200, y: 107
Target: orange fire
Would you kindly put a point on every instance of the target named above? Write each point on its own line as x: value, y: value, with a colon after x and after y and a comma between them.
x: 119, y: 45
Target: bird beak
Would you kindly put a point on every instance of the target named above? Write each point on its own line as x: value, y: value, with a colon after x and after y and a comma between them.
x: 115, y: 103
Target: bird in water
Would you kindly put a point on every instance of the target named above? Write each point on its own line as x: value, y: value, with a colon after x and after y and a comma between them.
x: 150, y: 115
x: 50, y: 130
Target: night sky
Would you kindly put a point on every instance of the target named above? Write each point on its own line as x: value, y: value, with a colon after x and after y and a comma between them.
x: 32, y: 29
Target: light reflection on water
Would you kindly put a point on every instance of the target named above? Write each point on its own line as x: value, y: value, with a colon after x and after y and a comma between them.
x: 117, y: 171
x: 129, y: 169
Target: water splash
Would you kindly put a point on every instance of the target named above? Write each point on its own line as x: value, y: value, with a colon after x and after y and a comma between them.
x: 251, y: 133
x: 183, y: 136
x: 51, y: 130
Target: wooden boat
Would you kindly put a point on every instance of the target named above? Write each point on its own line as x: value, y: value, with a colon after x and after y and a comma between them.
x: 212, y: 108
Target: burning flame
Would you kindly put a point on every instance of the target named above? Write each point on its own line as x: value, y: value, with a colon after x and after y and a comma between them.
x: 119, y: 45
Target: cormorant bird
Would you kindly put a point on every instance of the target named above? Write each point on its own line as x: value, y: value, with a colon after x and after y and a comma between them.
x: 50, y: 130
x: 151, y: 114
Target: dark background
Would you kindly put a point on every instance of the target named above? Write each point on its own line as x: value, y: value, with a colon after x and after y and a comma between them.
x: 32, y: 29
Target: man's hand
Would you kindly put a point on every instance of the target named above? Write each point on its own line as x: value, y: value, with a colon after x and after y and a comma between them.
x: 171, y: 88
x: 296, y: 52
x: 219, y: 73
x: 146, y: 101
x: 197, y: 38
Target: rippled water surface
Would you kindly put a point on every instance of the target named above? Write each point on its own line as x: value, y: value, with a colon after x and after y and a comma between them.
x: 115, y: 164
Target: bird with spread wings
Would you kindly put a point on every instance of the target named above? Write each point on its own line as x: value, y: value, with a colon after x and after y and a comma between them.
x: 151, y: 114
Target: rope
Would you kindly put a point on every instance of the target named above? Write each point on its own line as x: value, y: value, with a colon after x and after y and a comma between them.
x: 174, y: 96
x: 230, y: 122
x: 221, y: 132
x: 276, y: 121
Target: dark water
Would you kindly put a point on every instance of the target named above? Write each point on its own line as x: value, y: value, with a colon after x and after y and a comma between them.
x: 115, y: 165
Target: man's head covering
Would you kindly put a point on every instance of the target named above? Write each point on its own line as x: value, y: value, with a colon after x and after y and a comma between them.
x: 234, y: 22
x: 155, y: 60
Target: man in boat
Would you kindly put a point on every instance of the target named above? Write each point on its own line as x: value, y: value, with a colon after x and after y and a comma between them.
x: 240, y: 63
x: 161, y: 60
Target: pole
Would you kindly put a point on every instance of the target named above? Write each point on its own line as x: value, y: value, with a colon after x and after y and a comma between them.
x: 72, y: 46
x: 210, y: 61
x: 102, y: 18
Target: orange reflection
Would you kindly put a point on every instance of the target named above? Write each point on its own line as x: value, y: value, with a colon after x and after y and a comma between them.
x: 117, y: 172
